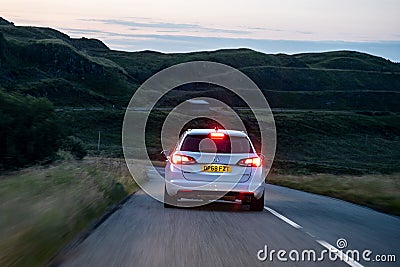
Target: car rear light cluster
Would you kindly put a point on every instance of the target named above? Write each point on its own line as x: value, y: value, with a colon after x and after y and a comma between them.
x: 250, y: 162
x: 182, y: 159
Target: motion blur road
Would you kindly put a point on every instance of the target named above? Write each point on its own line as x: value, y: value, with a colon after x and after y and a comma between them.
x: 144, y: 233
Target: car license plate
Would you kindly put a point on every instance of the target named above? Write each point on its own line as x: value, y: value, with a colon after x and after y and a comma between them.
x: 216, y: 168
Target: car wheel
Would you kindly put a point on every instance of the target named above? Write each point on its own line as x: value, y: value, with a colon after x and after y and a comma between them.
x: 257, y: 204
x: 169, y: 201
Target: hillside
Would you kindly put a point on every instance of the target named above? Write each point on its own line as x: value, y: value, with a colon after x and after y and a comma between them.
x: 47, y: 63
x: 85, y: 72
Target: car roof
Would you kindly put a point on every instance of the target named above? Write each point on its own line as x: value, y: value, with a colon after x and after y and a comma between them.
x: 207, y: 131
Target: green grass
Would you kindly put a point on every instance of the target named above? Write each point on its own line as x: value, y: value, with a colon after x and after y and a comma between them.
x: 86, y: 124
x: 338, y: 143
x: 307, y: 141
x: 45, y: 207
x: 379, y: 192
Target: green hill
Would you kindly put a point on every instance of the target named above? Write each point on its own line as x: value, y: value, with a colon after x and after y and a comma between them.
x: 44, y: 62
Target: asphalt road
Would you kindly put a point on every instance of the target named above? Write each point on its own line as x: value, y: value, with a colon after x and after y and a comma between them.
x: 143, y: 233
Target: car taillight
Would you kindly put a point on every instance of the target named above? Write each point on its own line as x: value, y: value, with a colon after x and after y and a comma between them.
x: 181, y: 159
x: 217, y: 135
x: 251, y: 162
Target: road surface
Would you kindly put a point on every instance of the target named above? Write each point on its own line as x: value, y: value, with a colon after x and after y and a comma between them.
x: 144, y: 233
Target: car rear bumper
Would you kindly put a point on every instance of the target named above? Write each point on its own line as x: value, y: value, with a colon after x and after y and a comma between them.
x: 182, y: 188
x: 211, y: 195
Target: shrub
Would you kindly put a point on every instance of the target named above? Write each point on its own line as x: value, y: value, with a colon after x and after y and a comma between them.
x: 75, y: 146
x: 29, y: 131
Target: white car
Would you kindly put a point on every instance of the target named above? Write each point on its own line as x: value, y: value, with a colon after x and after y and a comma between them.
x: 211, y: 164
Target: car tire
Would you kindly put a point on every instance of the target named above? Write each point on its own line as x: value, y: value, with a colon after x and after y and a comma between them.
x: 257, y: 204
x: 169, y: 201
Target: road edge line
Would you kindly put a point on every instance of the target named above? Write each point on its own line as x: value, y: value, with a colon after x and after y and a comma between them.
x: 346, y: 259
x: 283, y: 218
x: 343, y: 257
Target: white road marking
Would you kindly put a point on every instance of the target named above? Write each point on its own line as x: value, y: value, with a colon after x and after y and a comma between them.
x: 350, y: 261
x: 344, y: 257
x: 283, y: 218
x: 313, y: 236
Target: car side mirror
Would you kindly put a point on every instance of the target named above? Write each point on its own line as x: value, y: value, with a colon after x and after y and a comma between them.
x: 165, y: 154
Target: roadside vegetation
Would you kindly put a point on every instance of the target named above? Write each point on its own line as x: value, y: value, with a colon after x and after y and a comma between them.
x: 43, y: 208
x: 29, y: 132
x: 379, y: 192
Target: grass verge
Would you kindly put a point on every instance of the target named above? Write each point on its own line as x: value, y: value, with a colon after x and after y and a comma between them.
x: 44, y: 208
x: 379, y: 192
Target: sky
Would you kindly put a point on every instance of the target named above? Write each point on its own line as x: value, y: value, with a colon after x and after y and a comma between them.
x: 270, y: 26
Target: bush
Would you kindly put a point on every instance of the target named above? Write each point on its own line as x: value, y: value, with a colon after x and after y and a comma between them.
x: 75, y: 146
x: 117, y: 193
x: 29, y: 132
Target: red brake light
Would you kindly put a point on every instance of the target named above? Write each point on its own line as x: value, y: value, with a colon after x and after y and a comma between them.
x: 181, y: 159
x: 217, y: 135
x: 252, y: 162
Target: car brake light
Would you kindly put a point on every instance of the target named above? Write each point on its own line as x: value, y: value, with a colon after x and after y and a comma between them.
x: 217, y: 135
x: 252, y: 162
x: 181, y: 159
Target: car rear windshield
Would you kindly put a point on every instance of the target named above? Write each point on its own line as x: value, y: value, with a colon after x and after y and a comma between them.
x: 228, y: 144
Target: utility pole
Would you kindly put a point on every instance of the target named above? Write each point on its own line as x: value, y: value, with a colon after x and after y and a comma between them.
x: 98, y: 141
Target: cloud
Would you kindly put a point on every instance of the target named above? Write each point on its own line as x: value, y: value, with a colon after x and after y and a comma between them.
x: 167, y: 31
x: 278, y: 30
x: 148, y: 24
x: 82, y: 31
x: 168, y: 26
